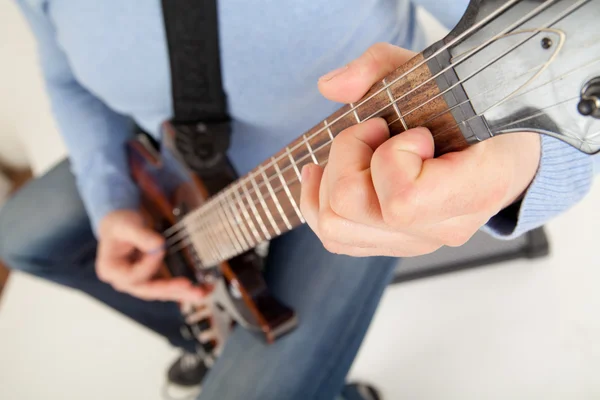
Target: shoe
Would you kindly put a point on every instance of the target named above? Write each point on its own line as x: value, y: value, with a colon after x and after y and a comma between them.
x: 367, y: 392
x: 188, y: 370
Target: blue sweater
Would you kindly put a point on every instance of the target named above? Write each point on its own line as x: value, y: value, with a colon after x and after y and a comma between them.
x: 106, y: 65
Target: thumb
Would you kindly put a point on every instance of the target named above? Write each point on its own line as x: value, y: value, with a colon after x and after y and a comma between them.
x: 132, y: 230
x: 349, y: 83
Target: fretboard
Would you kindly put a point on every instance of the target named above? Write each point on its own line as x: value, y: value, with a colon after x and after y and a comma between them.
x: 265, y: 203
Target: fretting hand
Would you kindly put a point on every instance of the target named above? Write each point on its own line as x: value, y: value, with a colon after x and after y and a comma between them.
x: 130, y: 256
x: 391, y: 197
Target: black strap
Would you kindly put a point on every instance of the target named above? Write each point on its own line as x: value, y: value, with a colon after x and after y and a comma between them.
x: 193, y: 39
x: 199, y: 101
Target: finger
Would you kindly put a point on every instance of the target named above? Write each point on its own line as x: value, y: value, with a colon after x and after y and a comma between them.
x: 396, y: 167
x: 354, y: 251
x: 177, y: 289
x: 334, y: 229
x: 455, y: 184
x: 110, y: 265
x: 144, y: 239
x: 309, y: 195
x: 349, y: 83
x: 351, y: 191
x: 146, y: 267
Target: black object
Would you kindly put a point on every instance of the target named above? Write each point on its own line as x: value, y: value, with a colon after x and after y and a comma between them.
x: 200, y: 114
x: 589, y: 105
x: 480, y: 251
x: 188, y: 370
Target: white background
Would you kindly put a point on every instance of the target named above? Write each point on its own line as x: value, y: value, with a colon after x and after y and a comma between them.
x: 519, y: 330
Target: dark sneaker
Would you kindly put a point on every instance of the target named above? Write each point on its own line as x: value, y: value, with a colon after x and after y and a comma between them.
x: 188, y: 370
x: 366, y: 392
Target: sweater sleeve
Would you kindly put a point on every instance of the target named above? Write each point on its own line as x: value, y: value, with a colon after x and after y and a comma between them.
x: 563, y: 178
x: 94, y: 134
x: 448, y: 12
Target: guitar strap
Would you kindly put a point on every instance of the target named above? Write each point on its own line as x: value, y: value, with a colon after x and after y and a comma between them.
x: 200, y: 113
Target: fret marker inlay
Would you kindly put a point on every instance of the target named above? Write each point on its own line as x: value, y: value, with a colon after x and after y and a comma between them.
x: 395, y: 104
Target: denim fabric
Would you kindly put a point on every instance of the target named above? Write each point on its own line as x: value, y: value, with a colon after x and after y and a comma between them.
x: 44, y: 231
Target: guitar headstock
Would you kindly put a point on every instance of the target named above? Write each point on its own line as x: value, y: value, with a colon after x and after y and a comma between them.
x: 533, y: 65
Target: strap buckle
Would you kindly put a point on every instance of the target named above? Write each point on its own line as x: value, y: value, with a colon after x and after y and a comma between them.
x: 203, y: 145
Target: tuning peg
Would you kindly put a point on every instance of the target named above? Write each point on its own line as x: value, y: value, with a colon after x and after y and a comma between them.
x: 589, y: 104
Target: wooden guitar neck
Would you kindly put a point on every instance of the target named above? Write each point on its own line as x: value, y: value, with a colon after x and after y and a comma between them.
x: 265, y: 203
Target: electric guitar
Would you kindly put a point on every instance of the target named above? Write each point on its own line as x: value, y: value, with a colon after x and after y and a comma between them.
x: 508, y: 66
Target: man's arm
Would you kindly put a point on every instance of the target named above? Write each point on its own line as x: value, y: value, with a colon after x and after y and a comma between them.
x: 94, y: 134
x: 563, y: 178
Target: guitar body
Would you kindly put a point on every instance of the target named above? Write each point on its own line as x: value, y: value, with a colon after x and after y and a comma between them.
x: 235, y: 289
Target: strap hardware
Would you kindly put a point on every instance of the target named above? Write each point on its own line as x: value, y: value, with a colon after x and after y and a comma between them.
x: 203, y: 144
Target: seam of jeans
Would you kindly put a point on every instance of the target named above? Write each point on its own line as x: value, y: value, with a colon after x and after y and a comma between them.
x: 345, y: 339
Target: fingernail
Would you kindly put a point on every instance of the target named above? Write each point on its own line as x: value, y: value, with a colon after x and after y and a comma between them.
x: 157, y: 250
x: 330, y: 75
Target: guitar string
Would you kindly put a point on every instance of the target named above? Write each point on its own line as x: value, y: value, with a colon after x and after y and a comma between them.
x: 182, y: 244
x: 543, y: 67
x: 535, y: 32
x: 459, y: 38
x: 503, y: 100
x: 197, y: 214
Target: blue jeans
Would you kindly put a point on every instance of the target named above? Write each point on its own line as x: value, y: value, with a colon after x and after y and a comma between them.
x: 44, y: 231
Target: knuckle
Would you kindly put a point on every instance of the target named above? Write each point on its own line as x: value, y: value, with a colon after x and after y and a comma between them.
x: 376, y: 53
x: 327, y: 227
x: 345, y: 194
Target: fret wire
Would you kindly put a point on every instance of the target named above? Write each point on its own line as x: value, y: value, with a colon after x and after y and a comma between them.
x: 355, y: 113
x: 240, y: 222
x: 192, y: 236
x: 310, y: 150
x: 287, y: 191
x: 465, y: 56
x: 208, y: 237
x: 259, y: 220
x: 328, y: 127
x: 275, y: 199
x: 293, y: 163
x: 199, y: 248
x: 395, y: 104
x: 263, y: 204
x: 233, y: 223
x: 246, y: 215
x: 225, y: 221
x: 212, y: 227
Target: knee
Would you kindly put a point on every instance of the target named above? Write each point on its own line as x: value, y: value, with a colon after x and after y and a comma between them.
x: 16, y: 239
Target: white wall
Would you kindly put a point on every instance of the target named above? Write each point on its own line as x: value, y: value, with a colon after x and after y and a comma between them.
x: 27, y: 131
x: 521, y: 330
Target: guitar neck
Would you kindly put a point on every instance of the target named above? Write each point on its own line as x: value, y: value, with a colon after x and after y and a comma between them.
x: 265, y: 203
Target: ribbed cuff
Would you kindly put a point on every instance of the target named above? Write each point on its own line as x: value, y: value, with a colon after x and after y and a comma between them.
x: 563, y: 178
